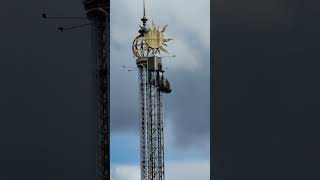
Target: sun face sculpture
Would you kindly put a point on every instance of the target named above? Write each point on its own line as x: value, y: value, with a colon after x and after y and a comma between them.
x: 152, y: 42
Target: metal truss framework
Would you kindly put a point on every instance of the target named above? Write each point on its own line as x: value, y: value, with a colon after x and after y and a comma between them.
x: 98, y: 13
x: 151, y: 129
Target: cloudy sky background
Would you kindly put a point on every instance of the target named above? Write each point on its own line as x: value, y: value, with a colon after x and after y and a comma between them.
x: 186, y: 108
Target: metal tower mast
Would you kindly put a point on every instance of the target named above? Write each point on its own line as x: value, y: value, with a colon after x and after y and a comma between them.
x: 146, y: 47
x: 98, y: 12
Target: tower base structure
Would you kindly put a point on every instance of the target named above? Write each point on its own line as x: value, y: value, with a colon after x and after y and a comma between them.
x: 152, y: 86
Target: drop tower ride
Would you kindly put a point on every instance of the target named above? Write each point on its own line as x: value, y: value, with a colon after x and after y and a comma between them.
x: 147, y: 48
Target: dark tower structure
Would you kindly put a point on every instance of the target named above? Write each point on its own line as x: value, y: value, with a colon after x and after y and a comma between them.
x: 146, y: 47
x: 98, y: 12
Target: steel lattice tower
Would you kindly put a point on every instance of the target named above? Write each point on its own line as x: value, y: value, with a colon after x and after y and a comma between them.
x: 98, y: 12
x: 152, y: 84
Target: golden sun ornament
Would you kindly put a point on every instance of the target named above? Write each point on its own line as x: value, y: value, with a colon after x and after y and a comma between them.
x: 153, y: 41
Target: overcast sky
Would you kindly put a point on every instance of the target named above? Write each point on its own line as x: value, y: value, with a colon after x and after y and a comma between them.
x: 186, y: 108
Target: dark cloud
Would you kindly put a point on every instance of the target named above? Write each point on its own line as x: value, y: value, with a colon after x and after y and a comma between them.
x: 187, y: 107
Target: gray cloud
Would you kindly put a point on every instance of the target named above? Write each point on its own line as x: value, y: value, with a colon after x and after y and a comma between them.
x: 187, y: 107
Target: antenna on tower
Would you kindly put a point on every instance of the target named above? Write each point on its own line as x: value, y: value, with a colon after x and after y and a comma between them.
x: 144, y: 18
x: 144, y: 8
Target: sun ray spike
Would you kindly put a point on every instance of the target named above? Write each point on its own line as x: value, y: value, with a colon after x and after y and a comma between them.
x: 164, y: 28
x: 144, y: 8
x: 167, y: 40
x: 153, y: 25
x: 164, y: 50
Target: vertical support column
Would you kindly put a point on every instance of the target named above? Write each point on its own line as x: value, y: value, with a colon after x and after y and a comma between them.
x: 106, y: 96
x: 143, y: 128
x: 98, y: 11
x: 103, y: 80
x: 152, y: 151
x: 162, y: 140
x: 159, y: 131
x: 107, y: 49
x: 149, y: 125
